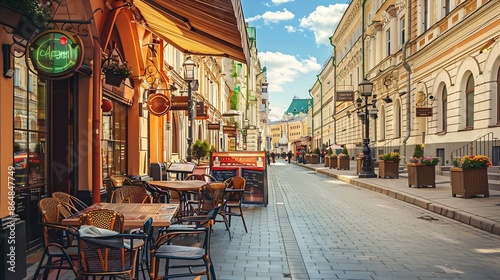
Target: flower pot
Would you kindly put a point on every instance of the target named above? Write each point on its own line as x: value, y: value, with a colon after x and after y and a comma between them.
x: 9, y: 17
x: 421, y: 175
x: 327, y: 161
x: 388, y: 168
x: 469, y: 182
x: 113, y: 80
x: 307, y: 159
x: 314, y: 159
x: 343, y: 163
x: 333, y: 162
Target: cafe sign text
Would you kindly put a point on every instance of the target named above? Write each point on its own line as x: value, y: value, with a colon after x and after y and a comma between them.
x: 55, y: 54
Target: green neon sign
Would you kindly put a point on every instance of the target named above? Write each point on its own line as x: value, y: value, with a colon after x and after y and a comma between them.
x: 56, y: 53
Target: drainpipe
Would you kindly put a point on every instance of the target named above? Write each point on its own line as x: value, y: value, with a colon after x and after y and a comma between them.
x: 408, y: 89
x: 312, y: 118
x: 321, y: 110
x: 334, y: 63
x: 96, y: 125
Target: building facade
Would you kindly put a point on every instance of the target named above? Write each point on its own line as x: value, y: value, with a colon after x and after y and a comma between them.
x: 434, y: 66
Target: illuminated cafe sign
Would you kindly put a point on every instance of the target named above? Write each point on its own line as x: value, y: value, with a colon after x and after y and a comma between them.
x: 55, y: 54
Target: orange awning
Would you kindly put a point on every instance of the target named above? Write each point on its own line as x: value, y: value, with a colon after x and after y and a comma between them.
x: 204, y: 27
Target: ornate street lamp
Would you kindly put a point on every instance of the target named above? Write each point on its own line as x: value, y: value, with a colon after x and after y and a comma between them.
x: 189, y: 77
x: 365, y: 111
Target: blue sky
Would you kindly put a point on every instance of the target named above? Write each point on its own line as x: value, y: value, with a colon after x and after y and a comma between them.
x: 292, y: 42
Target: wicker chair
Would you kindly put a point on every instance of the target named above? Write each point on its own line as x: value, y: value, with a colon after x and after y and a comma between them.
x: 118, y: 181
x: 138, y: 198
x: 188, y: 257
x: 103, y: 218
x: 73, y: 203
x: 120, y: 194
x: 114, y: 256
x: 213, y: 195
x: 58, y: 246
x: 234, y: 199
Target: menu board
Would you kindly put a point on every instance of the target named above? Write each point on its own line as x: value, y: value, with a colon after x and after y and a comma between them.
x: 248, y: 164
x: 222, y: 174
x: 254, y: 187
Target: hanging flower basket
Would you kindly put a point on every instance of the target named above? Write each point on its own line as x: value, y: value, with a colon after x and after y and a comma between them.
x: 115, y: 72
x: 114, y: 80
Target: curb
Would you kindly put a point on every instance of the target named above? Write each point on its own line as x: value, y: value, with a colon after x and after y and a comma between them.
x: 440, y: 209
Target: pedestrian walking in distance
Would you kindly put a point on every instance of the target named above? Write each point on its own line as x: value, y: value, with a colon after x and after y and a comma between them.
x: 289, y: 155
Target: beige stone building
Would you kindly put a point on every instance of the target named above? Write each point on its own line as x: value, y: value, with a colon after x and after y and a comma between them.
x: 435, y: 69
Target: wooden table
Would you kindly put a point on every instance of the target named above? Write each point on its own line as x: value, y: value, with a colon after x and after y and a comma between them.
x: 181, y: 187
x: 135, y: 214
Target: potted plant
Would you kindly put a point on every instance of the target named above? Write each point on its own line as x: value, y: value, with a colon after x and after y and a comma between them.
x: 25, y: 17
x: 343, y: 161
x: 201, y: 149
x: 315, y: 156
x: 333, y: 161
x: 328, y: 157
x: 422, y: 169
x: 115, y: 72
x: 469, y: 176
x: 389, y: 165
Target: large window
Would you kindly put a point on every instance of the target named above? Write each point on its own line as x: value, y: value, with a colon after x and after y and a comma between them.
x: 30, y: 132
x: 114, y: 136
x: 469, y: 99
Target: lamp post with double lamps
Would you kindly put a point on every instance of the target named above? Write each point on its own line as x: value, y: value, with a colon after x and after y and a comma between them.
x: 365, y: 111
x: 189, y: 77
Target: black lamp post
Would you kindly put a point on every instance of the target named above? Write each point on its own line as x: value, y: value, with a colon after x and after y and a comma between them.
x: 364, y: 112
x: 189, y: 66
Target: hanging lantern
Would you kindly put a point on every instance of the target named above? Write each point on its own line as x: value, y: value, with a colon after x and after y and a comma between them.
x: 106, y: 106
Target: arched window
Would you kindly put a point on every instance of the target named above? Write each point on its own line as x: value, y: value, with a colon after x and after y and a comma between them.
x: 444, y: 108
x: 469, y: 99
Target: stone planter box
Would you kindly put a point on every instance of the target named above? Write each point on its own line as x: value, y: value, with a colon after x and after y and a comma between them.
x: 307, y: 158
x: 327, y: 161
x: 469, y: 182
x: 314, y: 159
x: 421, y: 175
x: 343, y: 163
x: 388, y: 169
x: 333, y: 162
x: 359, y: 166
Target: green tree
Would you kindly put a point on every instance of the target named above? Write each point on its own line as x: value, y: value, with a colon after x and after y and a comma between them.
x: 418, y: 152
x: 200, y: 149
x: 344, y: 151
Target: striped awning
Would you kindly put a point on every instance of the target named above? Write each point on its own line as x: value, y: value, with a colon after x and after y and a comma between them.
x: 202, y: 27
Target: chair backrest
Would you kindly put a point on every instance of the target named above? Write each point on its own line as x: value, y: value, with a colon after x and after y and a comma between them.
x: 203, y: 177
x: 118, y: 181
x: 118, y: 195
x: 50, y: 209
x: 236, y: 183
x: 107, y: 255
x: 74, y: 203
x: 103, y: 218
x: 138, y: 198
x: 213, y: 194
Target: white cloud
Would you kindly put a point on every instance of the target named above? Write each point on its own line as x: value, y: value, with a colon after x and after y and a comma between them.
x: 290, y: 29
x: 273, y: 17
x: 279, y: 2
x: 323, y: 21
x: 284, y: 69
